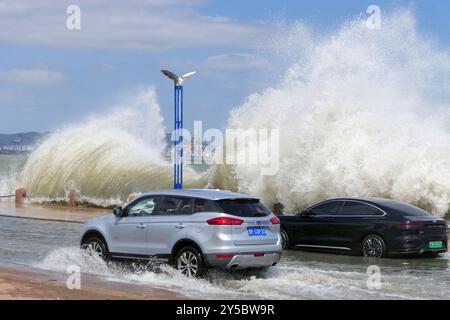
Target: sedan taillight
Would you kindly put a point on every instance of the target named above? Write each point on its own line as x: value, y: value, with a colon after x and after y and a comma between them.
x: 225, y: 221
x: 275, y: 220
x: 409, y: 226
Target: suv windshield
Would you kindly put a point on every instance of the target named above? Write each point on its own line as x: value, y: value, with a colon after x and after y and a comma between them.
x: 243, y: 207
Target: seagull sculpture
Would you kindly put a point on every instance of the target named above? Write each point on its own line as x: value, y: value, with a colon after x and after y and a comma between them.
x: 176, y: 79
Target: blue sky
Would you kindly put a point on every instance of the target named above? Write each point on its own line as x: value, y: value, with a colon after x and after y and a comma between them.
x: 50, y: 76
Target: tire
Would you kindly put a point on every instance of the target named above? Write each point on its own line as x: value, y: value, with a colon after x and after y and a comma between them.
x: 373, y: 246
x: 284, y: 239
x: 96, y: 245
x: 190, y: 262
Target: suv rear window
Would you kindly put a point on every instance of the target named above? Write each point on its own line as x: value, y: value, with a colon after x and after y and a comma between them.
x: 243, y: 207
x: 203, y: 205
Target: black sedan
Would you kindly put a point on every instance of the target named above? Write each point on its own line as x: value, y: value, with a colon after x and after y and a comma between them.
x: 372, y: 227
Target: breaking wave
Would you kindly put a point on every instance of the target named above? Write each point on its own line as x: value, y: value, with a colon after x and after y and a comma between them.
x: 360, y: 112
x: 105, y: 158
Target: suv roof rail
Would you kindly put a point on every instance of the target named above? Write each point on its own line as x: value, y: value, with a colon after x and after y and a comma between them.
x: 198, y: 189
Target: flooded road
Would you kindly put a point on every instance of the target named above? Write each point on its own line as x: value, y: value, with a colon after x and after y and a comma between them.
x: 300, y: 275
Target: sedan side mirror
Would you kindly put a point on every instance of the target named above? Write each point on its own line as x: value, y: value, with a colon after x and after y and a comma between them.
x: 305, y: 213
x: 117, y: 212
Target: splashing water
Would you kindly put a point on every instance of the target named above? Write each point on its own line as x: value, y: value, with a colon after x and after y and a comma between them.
x: 10, y: 167
x: 106, y: 158
x: 298, y: 276
x: 362, y: 113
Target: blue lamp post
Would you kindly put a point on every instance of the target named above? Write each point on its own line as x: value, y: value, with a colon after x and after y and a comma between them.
x: 178, y: 127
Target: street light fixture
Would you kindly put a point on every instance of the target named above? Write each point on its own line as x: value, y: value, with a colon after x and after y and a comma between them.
x: 178, y: 126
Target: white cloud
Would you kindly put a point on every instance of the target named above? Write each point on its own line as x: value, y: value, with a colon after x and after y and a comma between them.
x: 31, y: 76
x: 155, y: 25
x: 103, y: 67
x: 234, y: 62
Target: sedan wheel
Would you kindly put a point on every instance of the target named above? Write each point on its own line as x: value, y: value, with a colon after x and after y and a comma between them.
x: 189, y: 262
x: 373, y: 246
x: 284, y: 239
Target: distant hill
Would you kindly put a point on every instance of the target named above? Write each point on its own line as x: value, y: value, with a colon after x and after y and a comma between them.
x: 23, y: 138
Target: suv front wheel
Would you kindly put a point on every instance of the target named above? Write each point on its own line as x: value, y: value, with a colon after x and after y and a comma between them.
x: 95, y: 245
x: 190, y: 262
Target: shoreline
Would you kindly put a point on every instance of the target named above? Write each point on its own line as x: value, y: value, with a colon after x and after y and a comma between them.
x: 20, y: 282
x: 50, y: 213
x: 61, y: 213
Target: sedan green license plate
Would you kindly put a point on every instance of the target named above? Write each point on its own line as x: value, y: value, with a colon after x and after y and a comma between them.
x: 435, y: 245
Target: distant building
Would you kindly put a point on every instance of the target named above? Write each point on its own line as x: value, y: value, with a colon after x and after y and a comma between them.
x: 189, y: 148
x: 20, y: 143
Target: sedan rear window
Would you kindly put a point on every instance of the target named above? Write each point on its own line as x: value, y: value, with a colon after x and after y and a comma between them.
x: 406, y: 209
x: 243, y: 207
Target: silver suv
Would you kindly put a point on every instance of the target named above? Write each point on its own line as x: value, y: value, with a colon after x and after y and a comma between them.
x: 191, y: 229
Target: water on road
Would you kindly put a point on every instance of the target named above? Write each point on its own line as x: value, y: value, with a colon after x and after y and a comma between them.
x: 299, y: 275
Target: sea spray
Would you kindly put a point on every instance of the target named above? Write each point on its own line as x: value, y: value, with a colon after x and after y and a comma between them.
x: 105, y: 158
x: 363, y: 112
x: 10, y: 168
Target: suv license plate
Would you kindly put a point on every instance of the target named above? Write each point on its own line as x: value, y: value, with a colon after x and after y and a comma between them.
x: 435, y: 245
x: 257, y: 231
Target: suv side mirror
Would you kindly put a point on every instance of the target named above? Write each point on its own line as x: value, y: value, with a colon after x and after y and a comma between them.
x: 117, y: 212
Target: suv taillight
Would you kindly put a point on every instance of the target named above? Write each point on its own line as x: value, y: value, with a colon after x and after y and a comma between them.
x: 225, y: 221
x: 275, y: 220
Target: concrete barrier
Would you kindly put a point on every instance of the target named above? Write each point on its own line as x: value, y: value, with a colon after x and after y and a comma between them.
x: 21, y: 194
x: 73, y: 202
x: 278, y: 208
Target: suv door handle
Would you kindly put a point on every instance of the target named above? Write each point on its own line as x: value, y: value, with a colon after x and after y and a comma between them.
x: 142, y: 226
x: 180, y: 226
